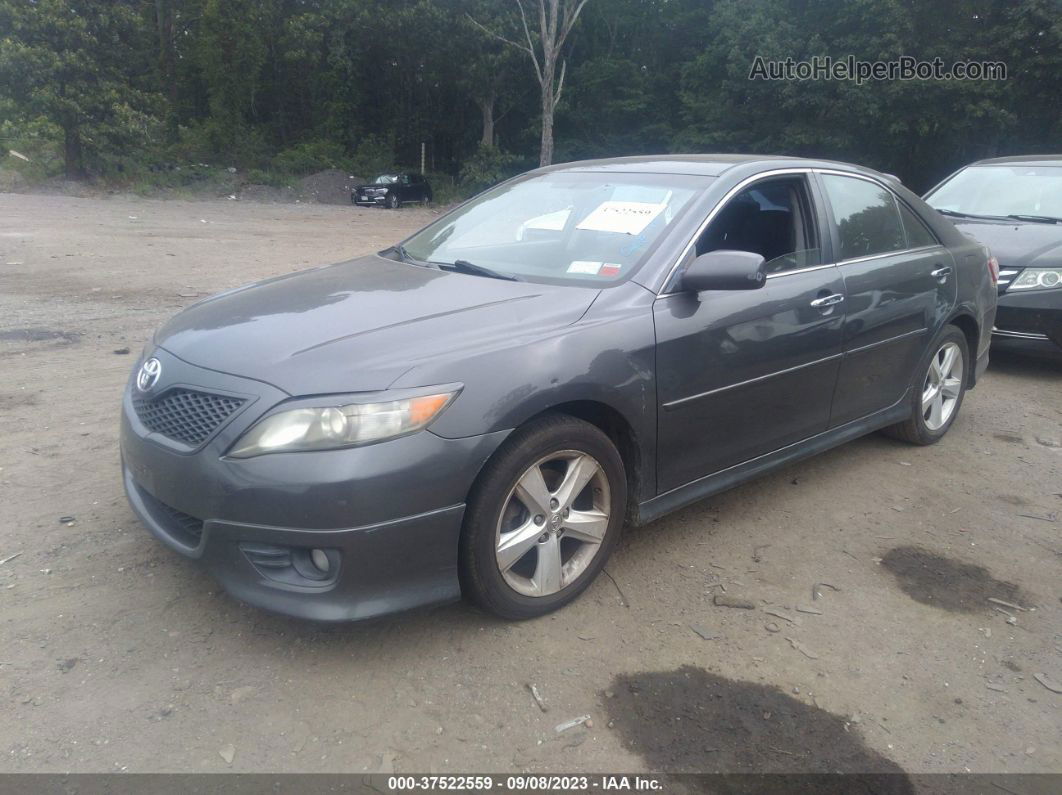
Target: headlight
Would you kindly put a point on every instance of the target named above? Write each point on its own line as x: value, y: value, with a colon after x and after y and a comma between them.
x: 341, y: 426
x: 1037, y: 279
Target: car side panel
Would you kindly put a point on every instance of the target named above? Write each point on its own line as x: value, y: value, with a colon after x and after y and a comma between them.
x: 744, y: 372
x: 894, y: 308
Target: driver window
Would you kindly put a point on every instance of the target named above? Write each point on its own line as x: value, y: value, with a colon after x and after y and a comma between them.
x: 772, y: 219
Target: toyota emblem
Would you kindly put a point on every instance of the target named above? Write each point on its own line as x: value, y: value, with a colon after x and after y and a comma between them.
x: 148, y: 375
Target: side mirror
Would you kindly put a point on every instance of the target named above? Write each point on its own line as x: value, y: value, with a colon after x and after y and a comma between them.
x: 725, y: 270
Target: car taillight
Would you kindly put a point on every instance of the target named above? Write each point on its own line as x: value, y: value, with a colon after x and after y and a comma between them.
x: 993, y: 269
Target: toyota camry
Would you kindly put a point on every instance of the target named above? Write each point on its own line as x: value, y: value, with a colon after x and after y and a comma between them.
x: 480, y: 409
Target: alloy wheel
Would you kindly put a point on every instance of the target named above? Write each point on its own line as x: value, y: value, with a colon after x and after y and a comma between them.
x: 942, y: 387
x: 552, y: 523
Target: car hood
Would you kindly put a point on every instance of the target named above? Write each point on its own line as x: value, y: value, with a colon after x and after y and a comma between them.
x: 357, y: 326
x: 1016, y: 244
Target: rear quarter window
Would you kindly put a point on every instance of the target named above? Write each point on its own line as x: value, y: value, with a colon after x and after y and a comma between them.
x: 918, y: 235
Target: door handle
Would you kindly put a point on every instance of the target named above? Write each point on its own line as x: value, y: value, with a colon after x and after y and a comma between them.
x: 829, y: 300
x: 941, y: 274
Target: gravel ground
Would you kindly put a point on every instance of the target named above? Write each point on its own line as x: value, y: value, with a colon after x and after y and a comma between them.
x: 118, y: 655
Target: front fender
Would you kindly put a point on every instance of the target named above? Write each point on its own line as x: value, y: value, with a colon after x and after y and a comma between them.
x: 606, y: 357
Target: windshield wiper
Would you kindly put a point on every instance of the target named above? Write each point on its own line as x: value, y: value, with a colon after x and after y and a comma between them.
x: 957, y: 214
x: 464, y: 266
x: 405, y: 256
x: 1039, y: 219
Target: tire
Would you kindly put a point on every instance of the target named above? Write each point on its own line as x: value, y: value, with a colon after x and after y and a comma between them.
x: 392, y: 201
x: 923, y: 426
x: 499, y: 523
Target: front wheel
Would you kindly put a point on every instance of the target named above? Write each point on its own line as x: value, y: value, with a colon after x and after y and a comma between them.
x: 392, y: 201
x: 939, y: 391
x: 543, y: 518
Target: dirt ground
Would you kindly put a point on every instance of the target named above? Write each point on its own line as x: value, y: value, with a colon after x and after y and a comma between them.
x: 118, y: 655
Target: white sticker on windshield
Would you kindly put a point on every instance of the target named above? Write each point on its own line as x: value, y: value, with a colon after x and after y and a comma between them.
x: 584, y: 266
x: 624, y: 218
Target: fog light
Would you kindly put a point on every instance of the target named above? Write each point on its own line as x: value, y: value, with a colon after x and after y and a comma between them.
x: 320, y: 560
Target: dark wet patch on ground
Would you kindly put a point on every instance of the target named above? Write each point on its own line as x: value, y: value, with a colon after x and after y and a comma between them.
x: 12, y: 400
x: 1011, y: 438
x: 946, y: 583
x: 38, y: 335
x: 690, y: 720
x: 1012, y: 499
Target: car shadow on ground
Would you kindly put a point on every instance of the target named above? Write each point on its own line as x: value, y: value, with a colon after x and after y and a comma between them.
x: 1040, y: 366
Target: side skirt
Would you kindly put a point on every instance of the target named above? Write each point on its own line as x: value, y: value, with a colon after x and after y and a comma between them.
x: 698, y: 489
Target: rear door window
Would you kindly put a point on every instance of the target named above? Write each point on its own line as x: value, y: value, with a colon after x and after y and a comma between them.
x: 866, y: 217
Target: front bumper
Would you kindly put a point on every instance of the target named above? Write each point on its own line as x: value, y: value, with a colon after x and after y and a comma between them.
x: 388, y: 516
x: 368, y: 201
x: 1030, y: 319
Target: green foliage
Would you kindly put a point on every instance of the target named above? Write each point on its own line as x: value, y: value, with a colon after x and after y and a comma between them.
x: 36, y: 139
x: 79, y: 66
x: 310, y: 156
x: 488, y: 166
x: 130, y: 90
x: 372, y: 155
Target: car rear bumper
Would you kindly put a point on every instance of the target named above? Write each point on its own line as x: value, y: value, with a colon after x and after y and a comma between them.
x: 368, y: 201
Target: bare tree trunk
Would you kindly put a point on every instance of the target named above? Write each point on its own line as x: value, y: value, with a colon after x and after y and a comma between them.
x: 164, y: 16
x: 72, y: 155
x: 545, y: 153
x: 486, y: 105
x: 555, y: 21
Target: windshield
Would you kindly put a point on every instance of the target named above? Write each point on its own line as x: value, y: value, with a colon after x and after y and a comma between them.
x: 1013, y: 189
x: 385, y: 179
x: 561, y: 227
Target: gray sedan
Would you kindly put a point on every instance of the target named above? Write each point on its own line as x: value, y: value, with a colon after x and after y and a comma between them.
x: 480, y: 409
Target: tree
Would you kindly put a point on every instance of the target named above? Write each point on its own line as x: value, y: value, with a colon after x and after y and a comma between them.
x: 490, y: 65
x: 78, y: 65
x: 556, y: 18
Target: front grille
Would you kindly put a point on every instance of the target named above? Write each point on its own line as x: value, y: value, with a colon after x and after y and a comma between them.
x: 186, y: 415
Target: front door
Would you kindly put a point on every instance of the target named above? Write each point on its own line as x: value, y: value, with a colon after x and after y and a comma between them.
x: 899, y: 284
x: 745, y: 372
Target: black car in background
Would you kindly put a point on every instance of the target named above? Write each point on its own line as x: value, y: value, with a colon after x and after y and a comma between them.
x: 392, y: 190
x: 1014, y: 206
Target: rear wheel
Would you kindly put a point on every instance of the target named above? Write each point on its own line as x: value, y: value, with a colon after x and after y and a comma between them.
x: 543, y: 518
x: 939, y: 391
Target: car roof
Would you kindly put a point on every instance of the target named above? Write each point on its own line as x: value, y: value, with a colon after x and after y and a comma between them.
x: 1026, y: 160
x: 708, y: 165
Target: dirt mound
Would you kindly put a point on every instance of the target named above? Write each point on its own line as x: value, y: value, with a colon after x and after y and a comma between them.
x: 331, y: 186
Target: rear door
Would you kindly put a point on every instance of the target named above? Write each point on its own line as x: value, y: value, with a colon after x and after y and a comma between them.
x: 899, y: 285
x: 741, y: 373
